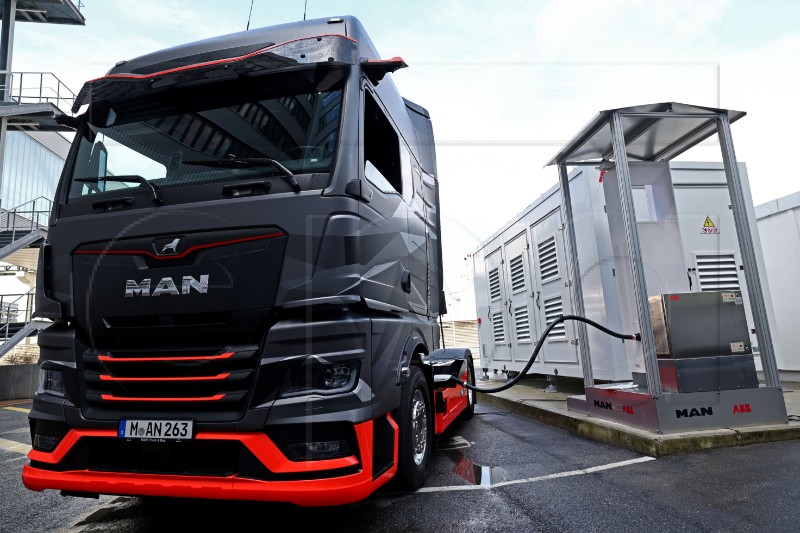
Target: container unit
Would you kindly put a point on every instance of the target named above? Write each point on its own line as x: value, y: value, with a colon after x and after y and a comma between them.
x: 521, y: 272
x: 522, y: 284
x: 779, y: 228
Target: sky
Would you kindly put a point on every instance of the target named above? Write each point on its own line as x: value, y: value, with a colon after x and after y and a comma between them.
x: 507, y: 83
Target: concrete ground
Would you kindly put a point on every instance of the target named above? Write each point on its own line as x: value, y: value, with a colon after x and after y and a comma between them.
x: 529, y: 397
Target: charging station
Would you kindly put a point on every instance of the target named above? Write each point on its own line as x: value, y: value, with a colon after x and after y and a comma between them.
x: 696, y: 365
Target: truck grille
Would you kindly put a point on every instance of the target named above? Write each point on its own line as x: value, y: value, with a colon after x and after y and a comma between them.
x: 200, y: 384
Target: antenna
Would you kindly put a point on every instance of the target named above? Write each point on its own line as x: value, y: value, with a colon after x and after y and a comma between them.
x: 250, y: 15
x: 305, y: 8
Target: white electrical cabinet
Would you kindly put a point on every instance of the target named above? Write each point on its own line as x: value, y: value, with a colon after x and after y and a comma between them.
x: 523, y: 280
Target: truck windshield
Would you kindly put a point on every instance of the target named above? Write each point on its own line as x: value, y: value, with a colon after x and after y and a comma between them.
x: 224, y: 132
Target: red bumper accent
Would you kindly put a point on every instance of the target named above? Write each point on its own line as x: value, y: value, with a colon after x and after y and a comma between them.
x: 455, y: 401
x: 311, y: 493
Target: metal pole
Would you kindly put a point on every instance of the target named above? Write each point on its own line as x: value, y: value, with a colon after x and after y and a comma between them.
x: 635, y: 253
x: 7, y: 46
x: 573, y: 267
x: 6, y: 52
x: 747, y: 251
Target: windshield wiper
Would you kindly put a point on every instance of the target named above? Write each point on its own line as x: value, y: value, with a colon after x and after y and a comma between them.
x: 233, y: 162
x: 156, y: 196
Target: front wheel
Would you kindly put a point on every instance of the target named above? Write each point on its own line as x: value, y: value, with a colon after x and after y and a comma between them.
x: 415, y: 420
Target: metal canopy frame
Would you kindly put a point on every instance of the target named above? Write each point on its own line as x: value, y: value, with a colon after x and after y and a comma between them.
x: 660, y: 132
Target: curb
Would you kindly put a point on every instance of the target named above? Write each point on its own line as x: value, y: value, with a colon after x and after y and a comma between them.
x: 644, y: 442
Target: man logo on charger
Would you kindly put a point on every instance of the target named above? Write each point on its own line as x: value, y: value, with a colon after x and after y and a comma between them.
x: 166, y: 286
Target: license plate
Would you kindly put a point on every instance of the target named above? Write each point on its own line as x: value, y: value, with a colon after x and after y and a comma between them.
x: 157, y: 430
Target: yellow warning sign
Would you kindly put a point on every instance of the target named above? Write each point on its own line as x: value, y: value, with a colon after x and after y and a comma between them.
x: 709, y: 227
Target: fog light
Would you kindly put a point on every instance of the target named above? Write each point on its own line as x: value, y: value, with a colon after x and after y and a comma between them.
x: 320, y: 377
x: 314, y: 451
x: 50, y: 382
x: 45, y: 443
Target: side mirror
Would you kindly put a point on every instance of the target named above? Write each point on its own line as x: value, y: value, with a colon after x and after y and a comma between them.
x: 376, y: 69
x: 75, y: 123
x: 101, y: 114
x: 70, y: 121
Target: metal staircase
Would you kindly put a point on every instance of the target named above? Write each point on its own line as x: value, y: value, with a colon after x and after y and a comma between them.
x: 22, y: 231
x: 16, y: 323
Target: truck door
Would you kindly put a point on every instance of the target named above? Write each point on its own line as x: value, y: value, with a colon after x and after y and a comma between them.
x: 521, y: 320
x: 497, y: 312
x: 384, y: 246
x: 552, y: 296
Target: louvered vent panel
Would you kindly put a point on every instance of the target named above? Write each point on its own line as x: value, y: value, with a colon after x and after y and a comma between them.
x: 517, y: 274
x: 494, y: 284
x: 716, y: 272
x: 553, y: 307
x: 548, y: 259
x: 521, y: 324
x: 497, y: 327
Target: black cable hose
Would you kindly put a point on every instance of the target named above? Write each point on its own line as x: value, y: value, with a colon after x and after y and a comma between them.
x: 561, y: 318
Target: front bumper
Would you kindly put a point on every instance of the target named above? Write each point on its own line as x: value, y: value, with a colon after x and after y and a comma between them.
x: 307, y: 483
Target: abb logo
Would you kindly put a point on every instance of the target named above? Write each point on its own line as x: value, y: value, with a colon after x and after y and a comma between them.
x: 741, y: 408
x: 627, y: 409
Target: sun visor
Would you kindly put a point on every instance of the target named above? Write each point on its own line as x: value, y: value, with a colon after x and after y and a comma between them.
x: 322, y: 49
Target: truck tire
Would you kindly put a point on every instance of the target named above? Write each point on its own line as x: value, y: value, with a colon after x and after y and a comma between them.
x: 415, y: 420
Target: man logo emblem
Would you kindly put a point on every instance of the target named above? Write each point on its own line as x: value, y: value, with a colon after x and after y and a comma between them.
x: 171, y: 246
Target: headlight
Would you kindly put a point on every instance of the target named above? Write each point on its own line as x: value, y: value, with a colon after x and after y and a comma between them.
x: 50, y: 382
x: 321, y: 377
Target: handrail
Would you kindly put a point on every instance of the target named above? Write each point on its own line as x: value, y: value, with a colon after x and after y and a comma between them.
x: 41, y: 200
x: 10, y: 311
x: 36, y: 88
x: 26, y: 217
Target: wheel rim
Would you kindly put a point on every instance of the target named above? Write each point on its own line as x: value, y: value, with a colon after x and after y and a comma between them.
x: 419, y: 426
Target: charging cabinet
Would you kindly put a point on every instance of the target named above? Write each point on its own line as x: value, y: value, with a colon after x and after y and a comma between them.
x: 684, y: 269
x: 702, y: 341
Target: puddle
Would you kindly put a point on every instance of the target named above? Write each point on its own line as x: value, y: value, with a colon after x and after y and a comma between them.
x: 485, y: 476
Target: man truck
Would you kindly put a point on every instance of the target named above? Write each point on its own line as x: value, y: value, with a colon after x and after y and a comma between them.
x: 243, y: 270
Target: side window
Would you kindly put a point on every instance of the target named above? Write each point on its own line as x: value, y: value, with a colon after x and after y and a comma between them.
x: 382, y: 165
x: 406, y: 172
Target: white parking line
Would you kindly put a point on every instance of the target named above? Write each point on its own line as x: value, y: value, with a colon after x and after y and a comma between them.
x: 539, y: 478
x: 14, y: 446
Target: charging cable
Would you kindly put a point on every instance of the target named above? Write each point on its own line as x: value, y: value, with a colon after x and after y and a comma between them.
x: 554, y: 323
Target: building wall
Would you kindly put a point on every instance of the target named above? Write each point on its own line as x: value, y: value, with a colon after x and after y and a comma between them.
x: 460, y: 298
x: 30, y: 169
x: 779, y: 229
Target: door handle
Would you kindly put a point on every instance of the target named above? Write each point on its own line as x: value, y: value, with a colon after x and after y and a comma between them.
x: 247, y: 188
x: 405, y: 281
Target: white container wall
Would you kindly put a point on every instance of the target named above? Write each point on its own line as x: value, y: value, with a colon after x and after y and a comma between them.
x: 521, y: 280
x: 779, y: 228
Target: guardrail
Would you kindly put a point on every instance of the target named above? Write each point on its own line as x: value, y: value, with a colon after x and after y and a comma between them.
x: 36, y: 88
x: 25, y: 218
x: 16, y: 310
